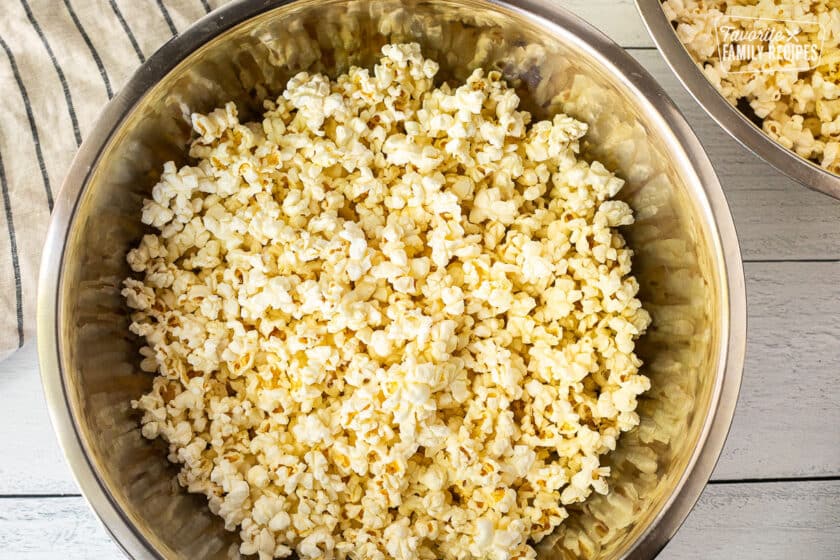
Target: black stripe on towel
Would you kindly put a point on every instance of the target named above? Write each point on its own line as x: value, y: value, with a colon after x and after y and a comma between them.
x: 91, y: 48
x: 7, y: 203
x: 68, y: 98
x: 167, y: 17
x: 128, y: 32
x: 206, y: 6
x: 32, y: 125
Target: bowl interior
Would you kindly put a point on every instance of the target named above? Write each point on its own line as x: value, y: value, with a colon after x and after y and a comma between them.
x: 678, y: 260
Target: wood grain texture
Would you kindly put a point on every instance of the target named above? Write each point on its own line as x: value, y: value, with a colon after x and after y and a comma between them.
x: 769, y: 521
x: 617, y: 19
x: 789, y: 406
x: 51, y: 528
x: 773, y: 521
x: 34, y: 463
x: 785, y: 424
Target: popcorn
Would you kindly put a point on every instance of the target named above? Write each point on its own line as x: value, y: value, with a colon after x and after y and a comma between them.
x: 797, y: 108
x: 390, y: 320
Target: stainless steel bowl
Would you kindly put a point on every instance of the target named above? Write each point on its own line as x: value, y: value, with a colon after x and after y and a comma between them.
x: 728, y: 117
x: 687, y: 257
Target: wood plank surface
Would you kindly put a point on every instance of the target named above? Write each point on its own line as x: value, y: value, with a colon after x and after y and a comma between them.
x: 34, y: 463
x: 765, y: 521
x: 785, y: 424
x: 51, y: 528
x: 617, y: 19
x: 789, y: 406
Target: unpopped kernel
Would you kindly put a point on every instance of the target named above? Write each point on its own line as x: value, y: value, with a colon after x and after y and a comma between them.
x: 391, y: 320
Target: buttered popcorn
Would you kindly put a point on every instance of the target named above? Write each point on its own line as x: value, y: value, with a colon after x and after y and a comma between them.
x: 800, y: 109
x: 390, y: 320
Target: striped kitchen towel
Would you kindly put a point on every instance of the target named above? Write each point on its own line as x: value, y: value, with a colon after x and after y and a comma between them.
x: 60, y: 62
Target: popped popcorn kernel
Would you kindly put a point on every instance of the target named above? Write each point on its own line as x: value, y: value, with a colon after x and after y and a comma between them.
x: 797, y: 106
x: 391, y: 320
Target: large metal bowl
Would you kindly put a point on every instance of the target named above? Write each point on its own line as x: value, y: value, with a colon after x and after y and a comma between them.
x: 727, y: 116
x: 687, y: 257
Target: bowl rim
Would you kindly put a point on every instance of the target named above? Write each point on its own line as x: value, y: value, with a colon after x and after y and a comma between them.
x: 708, y: 197
x: 728, y: 117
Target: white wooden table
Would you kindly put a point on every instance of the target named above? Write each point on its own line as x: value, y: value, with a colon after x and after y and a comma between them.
x: 776, y: 491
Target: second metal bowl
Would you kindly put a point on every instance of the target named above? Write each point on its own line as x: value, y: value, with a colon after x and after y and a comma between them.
x: 728, y: 117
